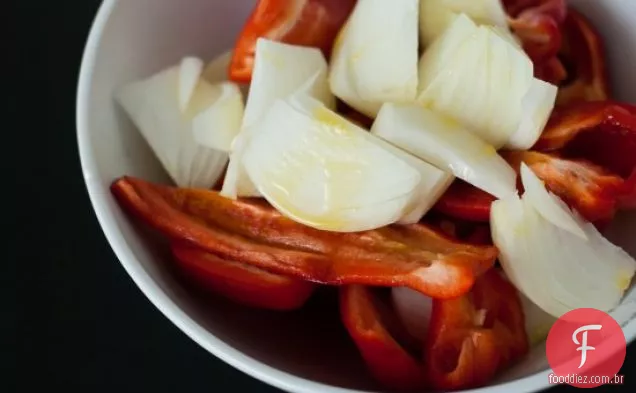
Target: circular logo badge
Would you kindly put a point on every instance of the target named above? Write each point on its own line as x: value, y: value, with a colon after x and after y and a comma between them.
x: 585, y: 348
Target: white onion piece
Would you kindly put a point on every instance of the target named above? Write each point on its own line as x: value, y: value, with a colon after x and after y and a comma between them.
x: 437, y: 15
x: 218, y: 125
x: 280, y: 70
x: 217, y: 71
x: 445, y: 144
x: 536, y: 108
x: 556, y: 269
x: 414, y: 310
x: 374, y: 58
x: 537, y: 322
x: 189, y: 73
x: 321, y: 170
x: 155, y: 107
x: 551, y: 207
x: 474, y: 75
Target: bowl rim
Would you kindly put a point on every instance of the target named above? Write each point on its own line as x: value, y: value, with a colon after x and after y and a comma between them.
x: 98, y: 195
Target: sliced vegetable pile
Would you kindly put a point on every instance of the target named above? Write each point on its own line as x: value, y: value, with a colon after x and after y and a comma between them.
x: 397, y: 150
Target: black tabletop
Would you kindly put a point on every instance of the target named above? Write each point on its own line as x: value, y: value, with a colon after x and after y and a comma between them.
x: 76, y: 321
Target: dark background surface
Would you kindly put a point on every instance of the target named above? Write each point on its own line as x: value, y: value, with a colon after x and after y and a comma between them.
x: 76, y: 321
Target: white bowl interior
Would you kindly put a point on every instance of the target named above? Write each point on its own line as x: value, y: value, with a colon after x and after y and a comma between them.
x: 297, y: 351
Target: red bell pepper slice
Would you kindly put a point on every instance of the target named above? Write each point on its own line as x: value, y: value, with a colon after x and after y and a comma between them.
x: 538, y: 24
x: 585, y: 187
x: 464, y: 201
x: 244, y: 284
x: 588, y: 188
x: 253, y: 233
x: 466, y: 231
x: 387, y: 359
x: 314, y: 23
x: 601, y: 132
x: 552, y: 71
x: 583, y: 53
x: 474, y: 336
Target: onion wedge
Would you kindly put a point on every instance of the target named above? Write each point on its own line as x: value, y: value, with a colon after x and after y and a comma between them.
x: 556, y: 269
x: 447, y: 145
x: 374, y: 59
x: 175, y: 110
x: 323, y: 171
x: 280, y: 70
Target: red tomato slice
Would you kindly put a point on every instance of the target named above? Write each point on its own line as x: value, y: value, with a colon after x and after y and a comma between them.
x: 312, y: 23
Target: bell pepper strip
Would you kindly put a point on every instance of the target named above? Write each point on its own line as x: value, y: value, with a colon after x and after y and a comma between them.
x: 387, y: 360
x: 466, y: 231
x: 538, y: 25
x: 253, y: 233
x: 602, y: 132
x: 312, y: 23
x: 583, y: 53
x: 552, y: 71
x: 585, y: 187
x: 464, y: 201
x: 241, y: 283
x: 590, y: 189
x: 474, y: 336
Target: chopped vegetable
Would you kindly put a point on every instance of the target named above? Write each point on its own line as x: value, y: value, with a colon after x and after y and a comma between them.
x: 465, y: 201
x: 351, y: 181
x: 584, y: 53
x: 538, y: 24
x: 386, y: 358
x: 244, y: 284
x: 549, y: 206
x: 474, y: 75
x: 437, y: 15
x: 447, y: 145
x: 217, y: 126
x: 472, y: 337
x: 171, y: 109
x: 555, y: 269
x: 589, y: 189
x: 375, y: 55
x: 414, y: 310
x: 312, y: 23
x: 280, y: 70
x: 252, y: 233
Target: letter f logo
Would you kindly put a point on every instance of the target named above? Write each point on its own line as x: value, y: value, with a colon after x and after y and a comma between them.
x: 584, y: 347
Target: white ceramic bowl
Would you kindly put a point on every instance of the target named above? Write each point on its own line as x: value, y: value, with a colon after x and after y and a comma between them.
x: 304, y: 351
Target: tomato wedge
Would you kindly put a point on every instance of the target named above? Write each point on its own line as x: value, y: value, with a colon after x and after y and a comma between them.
x: 472, y: 337
x: 299, y: 22
x: 241, y: 283
x: 387, y: 359
x: 253, y: 233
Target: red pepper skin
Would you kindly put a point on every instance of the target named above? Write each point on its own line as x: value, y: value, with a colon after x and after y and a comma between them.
x: 389, y: 363
x: 253, y: 233
x: 466, y: 202
x: 312, y: 23
x: 590, y: 189
x: 538, y: 24
x: 585, y: 187
x: 583, y: 52
x: 241, y: 283
x: 465, y: 350
x: 601, y: 132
